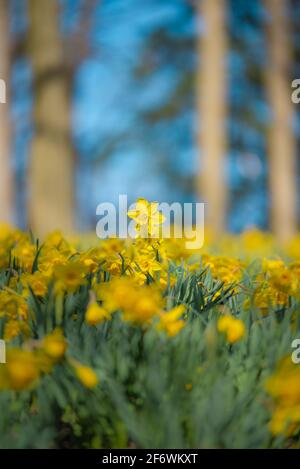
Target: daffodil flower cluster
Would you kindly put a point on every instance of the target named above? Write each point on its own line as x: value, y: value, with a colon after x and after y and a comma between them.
x: 153, y: 285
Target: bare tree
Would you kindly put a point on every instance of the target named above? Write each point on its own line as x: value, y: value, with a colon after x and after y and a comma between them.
x: 211, y: 102
x: 50, y: 176
x: 281, y: 141
x: 6, y: 175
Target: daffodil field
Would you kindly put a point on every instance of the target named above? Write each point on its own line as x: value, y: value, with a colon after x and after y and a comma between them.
x: 144, y: 344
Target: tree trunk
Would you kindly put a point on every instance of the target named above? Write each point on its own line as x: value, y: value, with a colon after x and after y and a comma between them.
x: 6, y: 176
x: 50, y: 177
x: 281, y: 141
x: 211, y: 90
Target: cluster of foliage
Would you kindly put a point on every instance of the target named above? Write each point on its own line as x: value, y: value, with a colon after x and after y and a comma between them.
x: 142, y: 343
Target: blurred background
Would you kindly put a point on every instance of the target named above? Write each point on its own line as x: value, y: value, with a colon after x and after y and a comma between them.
x: 171, y: 100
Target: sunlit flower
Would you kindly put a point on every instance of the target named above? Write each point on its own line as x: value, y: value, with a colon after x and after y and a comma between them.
x: 37, y: 282
x: 95, y: 314
x: 24, y: 253
x: 233, y: 328
x: 69, y: 277
x: 137, y: 303
x: 20, y: 371
x: 86, y: 376
x: 284, y: 281
x: 284, y: 387
x: 171, y: 322
x: 147, y: 217
x: 54, y: 344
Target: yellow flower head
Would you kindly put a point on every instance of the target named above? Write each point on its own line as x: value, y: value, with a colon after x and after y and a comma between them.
x: 233, y: 328
x: 171, y: 321
x: 57, y: 241
x: 15, y: 327
x: 86, y: 376
x: 54, y: 344
x: 12, y: 305
x: 269, y: 265
x: 38, y: 282
x: 95, y: 314
x: 284, y: 387
x: 226, y: 269
x: 147, y: 218
x: 24, y: 253
x: 69, y: 277
x: 137, y: 303
x: 21, y: 370
x: 284, y: 281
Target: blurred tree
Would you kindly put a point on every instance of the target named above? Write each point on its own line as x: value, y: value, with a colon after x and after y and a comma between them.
x: 282, y: 144
x: 211, y: 87
x: 6, y: 176
x: 50, y: 177
x: 169, y: 55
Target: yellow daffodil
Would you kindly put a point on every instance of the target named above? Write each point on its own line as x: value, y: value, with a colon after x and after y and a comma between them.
x: 284, y: 387
x: 95, y: 314
x: 171, y: 321
x: 233, y: 328
x: 86, y: 376
x: 147, y: 217
x: 54, y: 344
x: 69, y: 277
x: 20, y: 371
